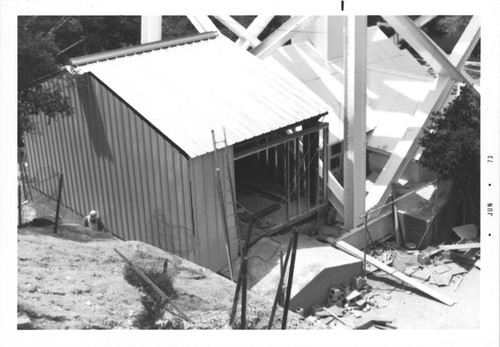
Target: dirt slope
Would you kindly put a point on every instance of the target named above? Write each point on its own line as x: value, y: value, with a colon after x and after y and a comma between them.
x: 74, y: 280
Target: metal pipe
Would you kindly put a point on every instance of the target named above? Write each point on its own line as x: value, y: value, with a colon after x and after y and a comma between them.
x: 364, y: 249
x: 290, y: 279
x: 280, y: 283
x: 58, y: 202
x: 297, y: 171
x: 244, y: 293
x: 326, y: 165
x: 19, y: 204
x: 288, y: 190
x: 240, y: 274
x: 235, y: 298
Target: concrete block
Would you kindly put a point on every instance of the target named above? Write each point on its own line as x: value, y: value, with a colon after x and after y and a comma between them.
x: 316, y: 309
x: 318, y: 268
x: 353, y: 295
x: 359, y: 282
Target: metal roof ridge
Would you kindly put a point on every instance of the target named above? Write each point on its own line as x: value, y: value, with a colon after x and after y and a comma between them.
x: 122, y: 52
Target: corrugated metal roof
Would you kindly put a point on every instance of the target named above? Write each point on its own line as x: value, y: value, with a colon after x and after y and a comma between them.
x: 396, y: 84
x: 187, y: 90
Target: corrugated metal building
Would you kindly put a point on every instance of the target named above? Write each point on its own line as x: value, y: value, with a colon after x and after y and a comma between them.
x: 139, y: 147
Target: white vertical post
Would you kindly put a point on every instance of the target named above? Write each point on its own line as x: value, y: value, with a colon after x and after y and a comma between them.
x: 354, y: 120
x: 326, y: 34
x: 150, y: 29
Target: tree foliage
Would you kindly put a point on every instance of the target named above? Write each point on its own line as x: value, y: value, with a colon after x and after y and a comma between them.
x: 37, y: 54
x: 45, y: 43
x: 452, y: 141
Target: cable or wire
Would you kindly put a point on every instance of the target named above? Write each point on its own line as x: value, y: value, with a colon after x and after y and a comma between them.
x: 270, y: 258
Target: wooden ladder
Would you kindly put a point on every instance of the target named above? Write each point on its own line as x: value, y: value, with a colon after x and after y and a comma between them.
x: 227, y: 196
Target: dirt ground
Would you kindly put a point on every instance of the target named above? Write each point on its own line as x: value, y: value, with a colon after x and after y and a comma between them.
x: 412, y: 309
x: 74, y: 280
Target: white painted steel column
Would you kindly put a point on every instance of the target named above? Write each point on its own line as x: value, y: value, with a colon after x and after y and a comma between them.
x: 150, y: 29
x: 354, y: 120
x: 326, y: 33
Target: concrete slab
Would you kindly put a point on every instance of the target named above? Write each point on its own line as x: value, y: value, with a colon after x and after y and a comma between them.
x: 317, y: 268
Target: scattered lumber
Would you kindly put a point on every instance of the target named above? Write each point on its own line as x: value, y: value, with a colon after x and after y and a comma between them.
x: 460, y: 278
x: 460, y: 246
x: 393, y: 272
x: 336, y: 317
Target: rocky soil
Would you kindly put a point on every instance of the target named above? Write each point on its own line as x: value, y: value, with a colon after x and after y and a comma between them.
x: 75, y: 280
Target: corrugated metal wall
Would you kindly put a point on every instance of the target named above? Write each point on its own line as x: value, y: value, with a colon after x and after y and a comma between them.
x: 114, y: 162
x: 207, y: 214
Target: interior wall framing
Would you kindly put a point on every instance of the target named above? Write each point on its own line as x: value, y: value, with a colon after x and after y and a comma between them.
x: 290, y: 159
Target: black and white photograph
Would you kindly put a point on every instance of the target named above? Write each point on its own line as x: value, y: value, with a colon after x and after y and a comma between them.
x: 316, y: 171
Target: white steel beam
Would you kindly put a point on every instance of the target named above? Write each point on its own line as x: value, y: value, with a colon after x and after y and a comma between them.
x: 281, y: 35
x: 426, y: 48
x: 423, y: 20
x: 466, y: 43
x: 406, y: 148
x: 355, y: 51
x: 203, y: 24
x: 150, y: 29
x: 238, y: 29
x: 335, y: 191
x: 255, y: 28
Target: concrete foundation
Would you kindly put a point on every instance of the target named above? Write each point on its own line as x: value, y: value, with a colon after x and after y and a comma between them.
x: 318, y: 267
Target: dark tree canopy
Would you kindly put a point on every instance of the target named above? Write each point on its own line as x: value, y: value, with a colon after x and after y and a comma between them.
x: 45, y: 43
x: 452, y: 141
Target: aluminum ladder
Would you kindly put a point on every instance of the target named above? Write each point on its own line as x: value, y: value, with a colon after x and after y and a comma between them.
x: 227, y: 196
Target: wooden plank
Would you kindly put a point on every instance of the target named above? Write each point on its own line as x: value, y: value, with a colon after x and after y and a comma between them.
x: 460, y: 246
x: 155, y: 288
x: 337, y: 317
x: 393, y: 272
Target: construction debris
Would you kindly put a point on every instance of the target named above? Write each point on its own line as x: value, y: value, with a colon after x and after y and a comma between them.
x: 393, y: 272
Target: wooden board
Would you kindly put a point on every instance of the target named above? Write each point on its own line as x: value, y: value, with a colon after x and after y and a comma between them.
x: 460, y: 246
x: 393, y: 272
